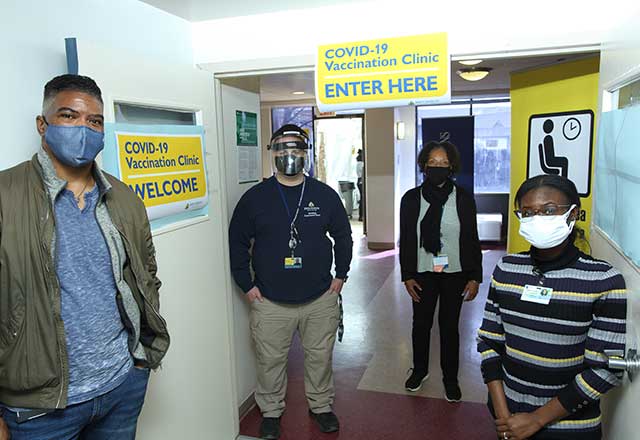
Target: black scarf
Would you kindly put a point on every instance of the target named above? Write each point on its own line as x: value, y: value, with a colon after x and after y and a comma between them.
x: 430, y: 224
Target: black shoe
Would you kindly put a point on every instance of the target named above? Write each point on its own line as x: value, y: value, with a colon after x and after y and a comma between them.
x: 452, y: 393
x: 270, y: 428
x: 414, y: 383
x: 328, y: 422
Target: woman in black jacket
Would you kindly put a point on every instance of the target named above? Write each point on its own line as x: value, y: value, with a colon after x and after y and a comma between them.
x: 440, y: 258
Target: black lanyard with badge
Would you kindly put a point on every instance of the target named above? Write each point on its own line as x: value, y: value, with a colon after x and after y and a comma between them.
x: 293, y: 262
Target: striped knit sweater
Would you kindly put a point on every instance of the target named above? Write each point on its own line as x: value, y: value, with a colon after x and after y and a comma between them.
x: 555, y: 350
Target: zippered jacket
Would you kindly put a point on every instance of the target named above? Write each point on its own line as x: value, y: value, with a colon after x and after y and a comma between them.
x: 34, y: 367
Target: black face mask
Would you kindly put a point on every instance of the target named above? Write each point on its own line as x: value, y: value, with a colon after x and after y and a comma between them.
x: 290, y: 165
x: 437, y: 175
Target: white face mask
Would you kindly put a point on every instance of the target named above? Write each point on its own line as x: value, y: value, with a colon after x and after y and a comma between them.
x: 546, y: 231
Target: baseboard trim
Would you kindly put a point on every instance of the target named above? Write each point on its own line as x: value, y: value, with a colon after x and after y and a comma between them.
x: 247, y: 405
x: 380, y: 245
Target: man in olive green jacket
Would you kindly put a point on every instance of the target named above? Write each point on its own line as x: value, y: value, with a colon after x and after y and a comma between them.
x: 79, y: 321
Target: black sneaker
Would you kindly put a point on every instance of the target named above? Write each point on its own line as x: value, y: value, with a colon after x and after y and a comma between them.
x: 327, y: 422
x: 270, y: 428
x: 414, y: 383
x: 452, y: 393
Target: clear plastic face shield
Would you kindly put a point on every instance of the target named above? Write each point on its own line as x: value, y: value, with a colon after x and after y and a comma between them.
x: 290, y: 155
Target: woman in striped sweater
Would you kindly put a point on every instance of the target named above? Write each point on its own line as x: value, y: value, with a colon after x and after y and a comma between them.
x: 550, y: 315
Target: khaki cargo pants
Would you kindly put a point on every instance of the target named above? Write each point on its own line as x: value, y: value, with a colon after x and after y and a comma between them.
x: 273, y: 326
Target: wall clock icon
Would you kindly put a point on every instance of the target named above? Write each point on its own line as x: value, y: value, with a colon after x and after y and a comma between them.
x: 571, y: 129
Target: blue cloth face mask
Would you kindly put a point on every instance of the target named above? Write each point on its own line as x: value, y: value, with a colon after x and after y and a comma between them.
x: 74, y: 145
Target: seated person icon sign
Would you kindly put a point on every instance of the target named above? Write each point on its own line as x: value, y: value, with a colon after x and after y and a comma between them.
x: 549, y: 162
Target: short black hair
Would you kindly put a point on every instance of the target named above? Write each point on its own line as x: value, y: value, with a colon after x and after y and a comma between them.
x: 452, y: 154
x: 562, y: 184
x: 69, y: 81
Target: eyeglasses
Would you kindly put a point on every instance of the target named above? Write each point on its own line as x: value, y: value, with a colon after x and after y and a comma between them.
x: 546, y: 210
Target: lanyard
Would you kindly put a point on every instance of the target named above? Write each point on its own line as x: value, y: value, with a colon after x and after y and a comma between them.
x: 286, y: 205
x: 294, y: 238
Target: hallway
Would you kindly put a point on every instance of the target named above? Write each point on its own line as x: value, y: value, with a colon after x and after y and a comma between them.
x: 372, y: 361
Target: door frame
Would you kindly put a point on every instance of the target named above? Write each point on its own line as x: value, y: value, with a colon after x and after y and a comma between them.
x: 305, y: 63
x: 364, y: 153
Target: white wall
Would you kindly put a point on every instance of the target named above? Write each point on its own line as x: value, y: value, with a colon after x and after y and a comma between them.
x: 197, y: 382
x: 32, y: 34
x: 192, y: 395
x: 620, y: 406
x: 405, y: 157
x: 473, y: 27
x: 379, y: 163
x: 235, y: 99
x: 620, y: 58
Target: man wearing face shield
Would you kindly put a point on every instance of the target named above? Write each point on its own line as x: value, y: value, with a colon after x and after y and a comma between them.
x: 79, y: 325
x: 290, y: 158
x: 279, y: 228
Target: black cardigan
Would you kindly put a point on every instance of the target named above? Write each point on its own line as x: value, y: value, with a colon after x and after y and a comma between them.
x: 470, y: 252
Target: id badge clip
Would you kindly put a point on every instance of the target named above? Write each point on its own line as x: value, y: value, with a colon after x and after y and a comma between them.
x: 537, y: 294
x: 293, y: 263
x: 440, y: 263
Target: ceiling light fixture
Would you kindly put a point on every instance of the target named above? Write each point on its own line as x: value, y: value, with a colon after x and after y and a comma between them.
x: 474, y: 73
x: 470, y: 62
x: 297, y: 93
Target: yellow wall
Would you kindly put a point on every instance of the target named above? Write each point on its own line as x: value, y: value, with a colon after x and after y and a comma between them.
x: 560, y: 88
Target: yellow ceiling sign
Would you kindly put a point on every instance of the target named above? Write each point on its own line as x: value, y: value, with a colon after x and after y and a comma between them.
x: 387, y: 72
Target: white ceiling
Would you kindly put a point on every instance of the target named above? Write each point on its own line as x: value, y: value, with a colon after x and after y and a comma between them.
x: 279, y: 87
x: 201, y: 10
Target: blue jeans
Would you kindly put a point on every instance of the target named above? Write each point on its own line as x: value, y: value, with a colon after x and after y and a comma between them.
x: 113, y: 415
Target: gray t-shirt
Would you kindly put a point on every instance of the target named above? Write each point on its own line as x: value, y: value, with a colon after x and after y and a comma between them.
x: 450, y: 236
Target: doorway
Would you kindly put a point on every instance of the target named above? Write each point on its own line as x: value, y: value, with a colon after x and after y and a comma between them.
x: 375, y: 293
x: 339, y: 159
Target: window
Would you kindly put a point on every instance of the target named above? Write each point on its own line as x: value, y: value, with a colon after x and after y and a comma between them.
x: 629, y: 95
x: 139, y: 114
x: 300, y: 116
x: 492, y: 140
x: 492, y: 147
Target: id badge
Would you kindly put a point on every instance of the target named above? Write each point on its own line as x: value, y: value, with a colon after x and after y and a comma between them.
x: 293, y: 263
x: 440, y: 263
x: 537, y: 294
